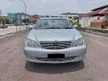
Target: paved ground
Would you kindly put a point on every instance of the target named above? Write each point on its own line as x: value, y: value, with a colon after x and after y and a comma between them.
x: 14, y: 68
x: 11, y: 29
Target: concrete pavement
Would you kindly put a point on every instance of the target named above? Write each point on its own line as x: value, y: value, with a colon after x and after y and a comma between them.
x: 12, y: 29
x: 13, y: 66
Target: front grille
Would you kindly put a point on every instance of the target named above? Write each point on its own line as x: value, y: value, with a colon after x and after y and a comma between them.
x: 55, y: 44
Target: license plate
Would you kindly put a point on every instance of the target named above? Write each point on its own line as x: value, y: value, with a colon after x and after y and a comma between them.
x: 56, y: 55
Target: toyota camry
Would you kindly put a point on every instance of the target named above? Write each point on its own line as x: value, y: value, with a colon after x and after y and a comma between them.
x: 54, y: 40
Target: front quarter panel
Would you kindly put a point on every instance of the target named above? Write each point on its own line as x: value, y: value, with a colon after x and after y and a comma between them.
x: 77, y: 34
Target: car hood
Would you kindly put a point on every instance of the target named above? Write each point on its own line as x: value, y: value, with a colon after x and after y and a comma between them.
x: 52, y: 34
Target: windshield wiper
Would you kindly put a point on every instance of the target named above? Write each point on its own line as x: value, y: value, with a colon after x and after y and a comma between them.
x: 68, y: 28
x: 56, y: 28
x: 53, y: 28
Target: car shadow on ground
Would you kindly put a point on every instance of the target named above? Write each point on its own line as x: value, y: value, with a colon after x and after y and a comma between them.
x: 54, y: 68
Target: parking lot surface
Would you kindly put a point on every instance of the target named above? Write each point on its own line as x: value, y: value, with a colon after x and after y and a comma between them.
x: 13, y: 66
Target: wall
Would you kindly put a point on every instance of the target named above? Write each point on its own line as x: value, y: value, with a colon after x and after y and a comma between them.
x: 88, y: 21
x: 84, y: 22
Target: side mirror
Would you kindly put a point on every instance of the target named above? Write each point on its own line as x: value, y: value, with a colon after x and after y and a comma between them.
x: 75, y: 26
x: 31, y: 26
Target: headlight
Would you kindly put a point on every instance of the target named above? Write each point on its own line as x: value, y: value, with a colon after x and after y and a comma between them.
x: 79, y: 42
x: 31, y: 43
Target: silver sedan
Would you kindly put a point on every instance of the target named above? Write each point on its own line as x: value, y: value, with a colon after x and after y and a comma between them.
x: 54, y: 40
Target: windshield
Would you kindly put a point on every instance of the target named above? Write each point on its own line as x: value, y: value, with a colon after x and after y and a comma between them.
x: 53, y: 24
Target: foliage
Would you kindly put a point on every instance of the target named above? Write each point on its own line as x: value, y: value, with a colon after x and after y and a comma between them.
x: 4, y: 20
x: 75, y: 22
x: 106, y: 23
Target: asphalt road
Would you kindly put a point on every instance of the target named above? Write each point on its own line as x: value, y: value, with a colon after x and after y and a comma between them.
x: 13, y: 66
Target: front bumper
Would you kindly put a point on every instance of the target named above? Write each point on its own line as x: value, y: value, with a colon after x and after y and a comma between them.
x: 39, y: 55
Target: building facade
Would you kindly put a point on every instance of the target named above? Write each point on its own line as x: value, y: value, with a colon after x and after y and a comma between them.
x: 18, y: 18
x: 71, y: 16
x: 97, y: 18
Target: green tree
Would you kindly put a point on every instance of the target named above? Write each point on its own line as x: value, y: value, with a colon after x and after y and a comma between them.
x: 6, y: 20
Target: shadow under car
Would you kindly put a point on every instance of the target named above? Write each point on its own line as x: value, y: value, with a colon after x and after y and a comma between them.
x: 54, y: 68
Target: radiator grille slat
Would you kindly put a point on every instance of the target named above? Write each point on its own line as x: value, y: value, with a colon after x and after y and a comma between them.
x: 55, y: 44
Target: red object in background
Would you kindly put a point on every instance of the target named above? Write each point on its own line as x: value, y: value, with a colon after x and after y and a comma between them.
x: 98, y: 24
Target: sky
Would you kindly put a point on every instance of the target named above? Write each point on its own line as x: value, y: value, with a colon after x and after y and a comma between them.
x: 50, y: 7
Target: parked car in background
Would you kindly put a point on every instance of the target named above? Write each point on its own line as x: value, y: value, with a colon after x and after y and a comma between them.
x: 54, y: 40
